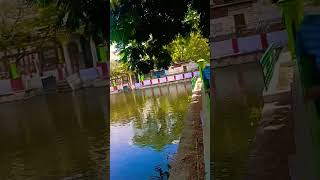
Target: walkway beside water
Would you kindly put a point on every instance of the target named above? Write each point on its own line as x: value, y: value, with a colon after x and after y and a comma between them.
x: 189, y: 161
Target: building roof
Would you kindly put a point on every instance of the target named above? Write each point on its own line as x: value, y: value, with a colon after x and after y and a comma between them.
x: 227, y: 3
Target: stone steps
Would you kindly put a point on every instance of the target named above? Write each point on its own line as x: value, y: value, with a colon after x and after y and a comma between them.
x: 63, y: 86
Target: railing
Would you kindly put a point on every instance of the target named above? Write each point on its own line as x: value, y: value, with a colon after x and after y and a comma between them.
x: 268, y: 62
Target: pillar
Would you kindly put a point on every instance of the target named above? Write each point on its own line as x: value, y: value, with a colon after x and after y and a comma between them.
x: 93, y: 52
x: 81, y: 60
x: 67, y: 57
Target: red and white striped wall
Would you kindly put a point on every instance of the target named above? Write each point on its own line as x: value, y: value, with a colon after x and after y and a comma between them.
x: 167, y: 79
x: 247, y: 44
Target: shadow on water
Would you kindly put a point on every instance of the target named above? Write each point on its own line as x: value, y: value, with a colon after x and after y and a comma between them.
x: 55, y: 136
x: 145, y: 129
x: 238, y: 103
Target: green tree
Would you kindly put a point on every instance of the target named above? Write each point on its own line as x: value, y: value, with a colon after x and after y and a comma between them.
x: 192, y: 48
x: 87, y: 17
x: 23, y: 26
x: 155, y: 23
x: 117, y: 69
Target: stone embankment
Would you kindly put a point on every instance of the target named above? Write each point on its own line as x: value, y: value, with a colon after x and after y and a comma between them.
x: 189, y: 161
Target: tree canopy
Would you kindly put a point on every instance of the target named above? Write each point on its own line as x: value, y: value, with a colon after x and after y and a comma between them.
x: 87, y: 17
x: 33, y: 23
x: 191, y: 48
x: 141, y: 29
x: 118, y: 69
x: 22, y: 26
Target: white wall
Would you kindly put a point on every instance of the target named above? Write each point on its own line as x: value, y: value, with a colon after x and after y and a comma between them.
x: 89, y: 74
x: 221, y: 48
x: 278, y: 38
x: 154, y: 81
x: 5, y: 87
x: 32, y: 83
x: 249, y: 44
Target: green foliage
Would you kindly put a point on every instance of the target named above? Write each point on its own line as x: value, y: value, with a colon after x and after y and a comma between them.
x: 157, y: 121
x: 144, y: 57
x: 114, y: 4
x: 194, y: 46
x: 155, y: 127
x: 155, y: 23
x: 22, y: 25
x: 191, y: 48
x: 89, y: 17
x: 193, y: 18
x: 118, y: 69
x: 138, y: 61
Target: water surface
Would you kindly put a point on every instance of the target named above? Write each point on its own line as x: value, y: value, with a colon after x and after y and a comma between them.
x: 238, y: 101
x: 58, y: 136
x: 145, y: 129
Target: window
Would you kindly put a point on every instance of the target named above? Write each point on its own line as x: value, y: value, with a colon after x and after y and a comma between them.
x: 240, y: 22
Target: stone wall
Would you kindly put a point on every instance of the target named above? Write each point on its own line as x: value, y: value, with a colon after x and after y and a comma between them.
x: 253, y: 14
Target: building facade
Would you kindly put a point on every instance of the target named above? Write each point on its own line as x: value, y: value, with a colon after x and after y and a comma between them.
x: 244, y: 26
x: 69, y: 55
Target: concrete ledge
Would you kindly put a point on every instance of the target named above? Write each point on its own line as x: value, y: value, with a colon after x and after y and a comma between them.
x: 189, y: 160
x: 236, y: 60
x: 277, y: 96
x: 164, y: 84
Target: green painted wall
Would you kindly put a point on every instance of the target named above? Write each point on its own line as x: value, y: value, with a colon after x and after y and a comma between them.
x: 293, y: 15
x: 14, y: 71
x: 102, y: 53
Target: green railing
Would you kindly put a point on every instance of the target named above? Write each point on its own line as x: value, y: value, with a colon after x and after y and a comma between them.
x: 268, y: 62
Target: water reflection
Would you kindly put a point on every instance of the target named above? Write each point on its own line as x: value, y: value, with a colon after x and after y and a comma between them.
x: 238, y: 99
x: 55, y: 136
x: 145, y: 128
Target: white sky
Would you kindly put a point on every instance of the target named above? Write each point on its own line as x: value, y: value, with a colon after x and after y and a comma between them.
x: 113, y: 54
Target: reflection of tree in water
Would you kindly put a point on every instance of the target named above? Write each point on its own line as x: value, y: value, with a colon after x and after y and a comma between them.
x: 125, y: 107
x: 161, y: 122
x: 67, y: 131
